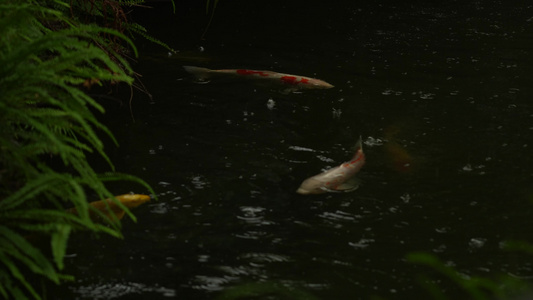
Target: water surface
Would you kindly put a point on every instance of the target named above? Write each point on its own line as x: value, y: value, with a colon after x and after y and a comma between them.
x: 441, y: 94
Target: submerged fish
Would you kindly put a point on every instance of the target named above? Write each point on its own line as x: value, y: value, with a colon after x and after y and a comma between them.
x: 399, y: 158
x: 290, y: 82
x: 401, y: 161
x: 108, y: 207
x: 338, y: 179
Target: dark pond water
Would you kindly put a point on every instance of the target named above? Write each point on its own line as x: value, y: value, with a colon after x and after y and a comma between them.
x: 441, y: 94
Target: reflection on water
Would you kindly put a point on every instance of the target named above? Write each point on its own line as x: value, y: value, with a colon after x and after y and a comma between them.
x: 212, y: 284
x: 440, y: 94
x: 339, y: 216
x: 362, y: 243
x: 121, y: 290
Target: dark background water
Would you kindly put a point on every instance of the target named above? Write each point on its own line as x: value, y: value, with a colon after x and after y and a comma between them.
x: 444, y: 87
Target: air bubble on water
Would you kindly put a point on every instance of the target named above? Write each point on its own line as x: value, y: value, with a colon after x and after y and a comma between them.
x: 336, y: 113
x: 159, y: 208
x: 442, y: 229
x: 477, y: 243
x: 203, y: 258
x: 467, y: 168
x: 361, y: 244
x: 440, y: 249
x: 427, y: 96
x: 371, y: 141
x: 271, y: 104
x: 199, y: 182
x: 405, y: 198
x: 325, y: 159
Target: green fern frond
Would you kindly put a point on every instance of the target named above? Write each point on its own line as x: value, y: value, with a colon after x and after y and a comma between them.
x: 29, y: 191
x: 47, y: 126
x: 16, y: 246
x: 59, y: 243
x: 105, y: 177
x: 12, y: 288
x: 140, y: 30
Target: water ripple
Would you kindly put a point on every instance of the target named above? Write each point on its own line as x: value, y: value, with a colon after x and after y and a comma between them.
x: 253, y: 215
x: 212, y: 283
x: 266, y: 257
x: 362, y: 243
x: 199, y: 182
x: 252, y: 235
x: 298, y: 148
x: 339, y: 216
x: 118, y: 290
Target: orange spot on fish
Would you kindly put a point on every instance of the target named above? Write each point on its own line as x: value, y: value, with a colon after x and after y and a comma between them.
x: 294, y: 80
x: 289, y: 80
x: 356, y: 160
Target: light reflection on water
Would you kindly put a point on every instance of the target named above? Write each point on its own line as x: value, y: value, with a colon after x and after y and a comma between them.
x: 121, y: 290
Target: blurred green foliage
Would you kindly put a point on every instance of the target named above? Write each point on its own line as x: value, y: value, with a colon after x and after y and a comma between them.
x: 473, y: 287
x: 47, y: 58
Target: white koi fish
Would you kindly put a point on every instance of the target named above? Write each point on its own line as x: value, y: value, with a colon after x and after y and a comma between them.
x: 291, y: 82
x: 338, y: 179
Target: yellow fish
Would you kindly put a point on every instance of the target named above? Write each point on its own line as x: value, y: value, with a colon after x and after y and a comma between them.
x: 108, y: 206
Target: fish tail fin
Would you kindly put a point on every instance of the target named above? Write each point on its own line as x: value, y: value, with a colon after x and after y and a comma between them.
x: 201, y: 74
x: 359, y: 157
x: 359, y: 144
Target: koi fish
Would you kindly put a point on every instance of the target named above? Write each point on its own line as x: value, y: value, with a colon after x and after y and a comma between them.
x: 108, y: 207
x: 401, y: 161
x: 291, y: 82
x: 338, y: 179
x: 399, y: 158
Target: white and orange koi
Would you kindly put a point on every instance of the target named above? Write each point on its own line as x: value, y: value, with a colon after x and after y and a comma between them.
x: 338, y: 179
x: 290, y: 82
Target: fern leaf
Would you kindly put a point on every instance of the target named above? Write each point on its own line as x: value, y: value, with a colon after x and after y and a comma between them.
x: 17, y: 274
x: 59, y: 243
x: 29, y: 191
x: 17, y: 247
